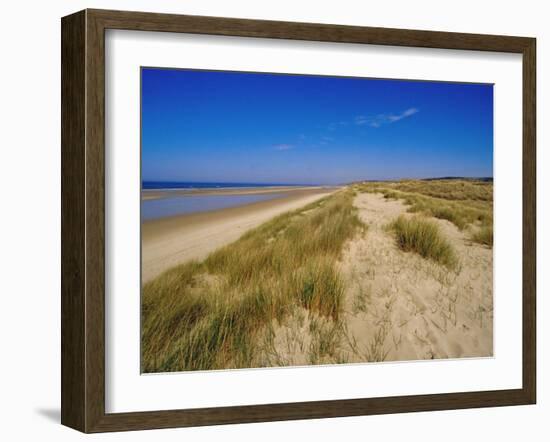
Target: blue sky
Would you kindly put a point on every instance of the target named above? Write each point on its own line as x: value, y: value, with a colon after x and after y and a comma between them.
x: 266, y: 128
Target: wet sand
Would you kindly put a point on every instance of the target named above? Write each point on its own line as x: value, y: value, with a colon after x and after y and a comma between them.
x: 158, y: 194
x: 167, y: 242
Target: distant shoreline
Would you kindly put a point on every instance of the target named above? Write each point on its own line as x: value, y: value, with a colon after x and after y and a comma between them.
x: 158, y: 185
x: 150, y: 194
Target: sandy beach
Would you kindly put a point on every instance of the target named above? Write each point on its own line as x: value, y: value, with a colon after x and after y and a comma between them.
x: 167, y: 242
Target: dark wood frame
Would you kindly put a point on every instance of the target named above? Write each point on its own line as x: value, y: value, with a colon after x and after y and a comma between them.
x: 83, y: 216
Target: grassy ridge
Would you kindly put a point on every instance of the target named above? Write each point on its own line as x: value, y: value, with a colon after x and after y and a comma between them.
x: 467, y: 204
x: 456, y: 190
x: 206, y: 315
x: 424, y: 238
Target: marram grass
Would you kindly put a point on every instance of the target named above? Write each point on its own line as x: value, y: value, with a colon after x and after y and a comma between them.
x: 484, y: 236
x: 206, y: 315
x: 462, y: 202
x: 423, y: 237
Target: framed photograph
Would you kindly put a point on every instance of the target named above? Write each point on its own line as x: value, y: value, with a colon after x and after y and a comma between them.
x: 267, y: 221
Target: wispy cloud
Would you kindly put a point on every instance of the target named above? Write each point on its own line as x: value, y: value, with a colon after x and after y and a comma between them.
x: 282, y: 147
x: 334, y: 126
x: 382, y: 119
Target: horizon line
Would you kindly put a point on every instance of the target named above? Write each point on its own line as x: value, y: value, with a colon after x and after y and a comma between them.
x: 404, y: 178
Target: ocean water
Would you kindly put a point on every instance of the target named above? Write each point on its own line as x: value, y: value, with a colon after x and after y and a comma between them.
x: 180, y: 205
x: 185, y: 204
x: 167, y: 185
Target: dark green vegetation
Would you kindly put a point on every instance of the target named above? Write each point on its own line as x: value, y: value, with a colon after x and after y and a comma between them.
x: 207, y: 315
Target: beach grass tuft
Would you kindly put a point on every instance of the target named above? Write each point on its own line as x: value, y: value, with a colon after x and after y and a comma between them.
x: 484, y: 236
x: 423, y: 237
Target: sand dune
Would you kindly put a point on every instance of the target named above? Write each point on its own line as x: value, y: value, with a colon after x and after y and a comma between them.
x: 171, y: 241
x: 398, y: 305
x: 410, y: 307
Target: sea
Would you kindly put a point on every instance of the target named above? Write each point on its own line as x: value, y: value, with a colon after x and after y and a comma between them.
x: 167, y: 185
x: 193, y: 203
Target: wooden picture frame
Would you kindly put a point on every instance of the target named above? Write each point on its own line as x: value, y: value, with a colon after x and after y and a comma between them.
x: 83, y: 220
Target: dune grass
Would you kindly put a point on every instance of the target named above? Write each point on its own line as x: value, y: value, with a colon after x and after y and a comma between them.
x: 206, y: 315
x: 423, y: 237
x: 484, y: 236
x: 455, y: 190
x: 465, y: 203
